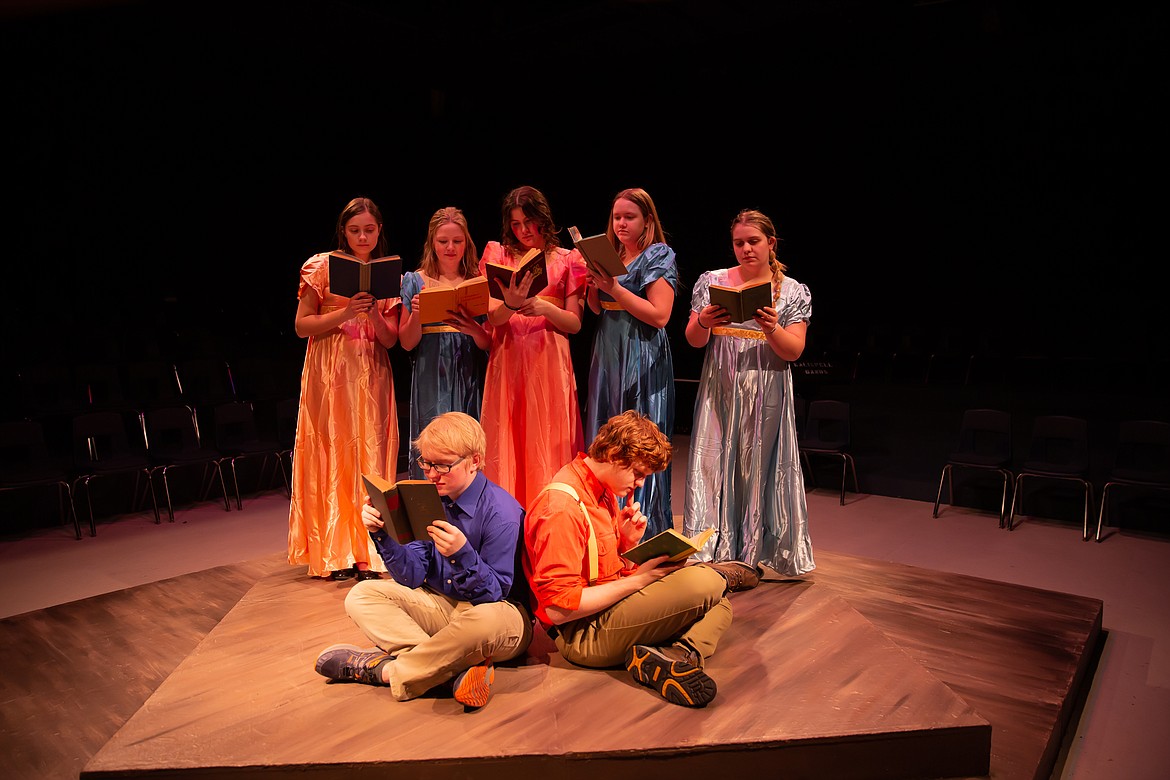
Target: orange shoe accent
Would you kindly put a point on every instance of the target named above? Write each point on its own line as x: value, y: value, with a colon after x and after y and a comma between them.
x: 676, y: 681
x: 473, y: 687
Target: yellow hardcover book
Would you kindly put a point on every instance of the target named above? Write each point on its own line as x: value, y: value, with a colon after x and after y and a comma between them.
x: 435, y: 303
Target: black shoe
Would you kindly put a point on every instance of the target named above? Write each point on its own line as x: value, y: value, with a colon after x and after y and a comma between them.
x: 350, y: 663
x: 677, y: 681
x: 342, y: 574
x: 367, y: 574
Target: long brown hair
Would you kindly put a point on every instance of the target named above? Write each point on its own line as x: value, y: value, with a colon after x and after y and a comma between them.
x: 651, y: 234
x: 351, y: 210
x: 533, y: 205
x: 760, y: 221
x: 429, y: 264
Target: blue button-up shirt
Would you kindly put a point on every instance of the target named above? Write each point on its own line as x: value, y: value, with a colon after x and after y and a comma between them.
x: 481, y: 571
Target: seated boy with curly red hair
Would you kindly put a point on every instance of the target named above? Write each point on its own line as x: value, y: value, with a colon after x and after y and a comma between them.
x: 661, y: 620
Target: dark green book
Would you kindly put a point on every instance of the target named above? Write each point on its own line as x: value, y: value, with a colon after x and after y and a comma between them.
x: 407, y: 507
x: 669, y: 542
x: 381, y: 278
x: 741, y: 302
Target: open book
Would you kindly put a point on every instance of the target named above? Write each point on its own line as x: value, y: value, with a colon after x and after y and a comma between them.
x: 741, y: 302
x: 407, y: 507
x: 500, y: 276
x: 435, y: 302
x: 669, y: 542
x: 598, y: 253
x: 381, y: 278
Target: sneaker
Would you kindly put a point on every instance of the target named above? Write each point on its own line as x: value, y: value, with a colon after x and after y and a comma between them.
x: 739, y: 575
x: 677, y: 681
x: 350, y: 663
x: 473, y: 687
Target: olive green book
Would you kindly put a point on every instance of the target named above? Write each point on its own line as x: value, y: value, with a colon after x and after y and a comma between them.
x: 669, y: 542
x: 407, y: 507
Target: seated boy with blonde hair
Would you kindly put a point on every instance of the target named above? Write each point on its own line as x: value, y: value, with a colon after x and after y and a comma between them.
x: 455, y: 603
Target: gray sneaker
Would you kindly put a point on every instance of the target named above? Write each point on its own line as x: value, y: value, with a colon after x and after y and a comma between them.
x: 350, y: 663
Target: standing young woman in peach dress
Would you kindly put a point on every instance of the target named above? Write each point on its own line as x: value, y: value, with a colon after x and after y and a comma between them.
x: 530, y: 412
x: 347, y: 424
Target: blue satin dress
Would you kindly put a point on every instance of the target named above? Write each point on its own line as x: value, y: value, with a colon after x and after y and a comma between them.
x: 632, y: 368
x: 447, y: 372
x: 743, y: 474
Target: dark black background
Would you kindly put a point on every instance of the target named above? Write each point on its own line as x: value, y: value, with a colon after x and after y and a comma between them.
x: 936, y: 169
x: 954, y: 177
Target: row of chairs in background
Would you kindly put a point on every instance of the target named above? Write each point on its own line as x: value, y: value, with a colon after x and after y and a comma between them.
x: 54, y: 387
x: 147, y: 445
x: 1058, y: 449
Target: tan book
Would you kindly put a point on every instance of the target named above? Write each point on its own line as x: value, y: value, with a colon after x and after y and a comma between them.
x: 436, y: 303
x: 407, y: 507
x: 598, y: 253
x: 500, y: 276
x: 381, y: 277
x: 741, y: 302
x: 669, y: 542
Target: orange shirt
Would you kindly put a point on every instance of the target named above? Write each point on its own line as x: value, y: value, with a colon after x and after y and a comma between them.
x: 556, y: 536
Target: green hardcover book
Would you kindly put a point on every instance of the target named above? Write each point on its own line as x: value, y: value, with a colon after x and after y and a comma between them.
x: 669, y: 542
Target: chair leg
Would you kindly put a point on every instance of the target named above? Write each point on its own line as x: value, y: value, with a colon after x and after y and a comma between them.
x: 844, y: 464
x: 1101, y: 511
x: 1088, y: 507
x: 167, y: 490
x: 72, y: 509
x: 1003, y: 499
x: 1016, y: 494
x: 236, y: 483
x: 227, y: 507
x: 938, y: 496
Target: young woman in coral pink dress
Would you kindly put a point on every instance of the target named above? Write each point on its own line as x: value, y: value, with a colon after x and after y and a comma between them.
x: 530, y: 411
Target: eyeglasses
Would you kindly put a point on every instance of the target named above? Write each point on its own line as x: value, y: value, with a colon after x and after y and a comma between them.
x: 440, y: 468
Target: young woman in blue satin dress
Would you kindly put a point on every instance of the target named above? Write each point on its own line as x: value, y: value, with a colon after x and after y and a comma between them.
x: 743, y: 472
x: 449, y: 358
x: 631, y: 366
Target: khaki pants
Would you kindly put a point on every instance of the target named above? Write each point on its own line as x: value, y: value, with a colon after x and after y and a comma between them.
x: 434, y: 637
x: 687, y: 605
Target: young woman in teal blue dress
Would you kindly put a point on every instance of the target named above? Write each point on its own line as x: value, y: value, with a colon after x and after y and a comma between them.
x: 631, y: 367
x: 449, y: 357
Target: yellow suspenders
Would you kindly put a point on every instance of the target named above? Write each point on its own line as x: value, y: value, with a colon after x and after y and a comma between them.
x: 592, y: 543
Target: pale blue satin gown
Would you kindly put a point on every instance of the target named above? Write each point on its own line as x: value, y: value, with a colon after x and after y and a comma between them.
x: 632, y: 368
x: 447, y: 373
x: 743, y: 475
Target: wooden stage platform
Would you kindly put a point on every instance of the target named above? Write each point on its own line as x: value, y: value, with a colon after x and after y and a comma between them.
x: 863, y: 670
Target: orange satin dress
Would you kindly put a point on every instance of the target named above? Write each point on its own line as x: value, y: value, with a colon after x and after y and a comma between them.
x: 347, y: 426
x: 530, y: 415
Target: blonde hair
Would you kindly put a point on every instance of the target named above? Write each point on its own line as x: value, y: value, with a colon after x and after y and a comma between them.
x: 651, y: 234
x: 429, y: 265
x: 454, y: 432
x: 628, y: 438
x: 760, y: 221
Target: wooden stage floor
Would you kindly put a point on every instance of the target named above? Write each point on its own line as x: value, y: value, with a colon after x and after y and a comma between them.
x: 866, y: 669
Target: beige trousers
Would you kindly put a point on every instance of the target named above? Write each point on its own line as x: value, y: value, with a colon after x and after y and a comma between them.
x: 685, y: 606
x: 434, y: 637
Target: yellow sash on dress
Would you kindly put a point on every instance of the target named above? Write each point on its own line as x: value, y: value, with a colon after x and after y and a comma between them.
x: 439, y: 329
x: 612, y: 306
x: 742, y: 333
